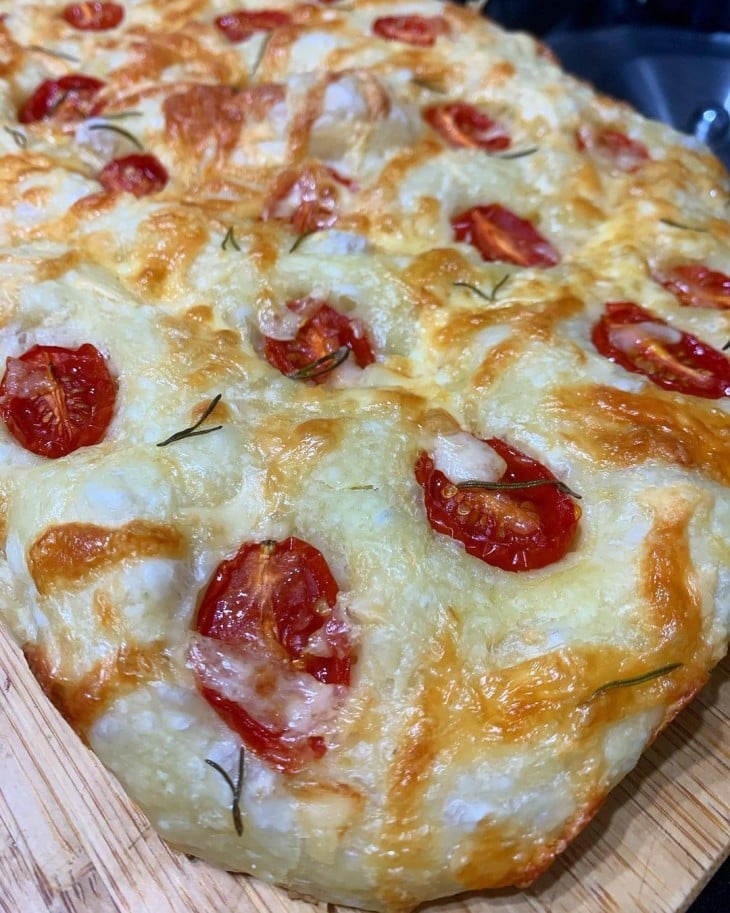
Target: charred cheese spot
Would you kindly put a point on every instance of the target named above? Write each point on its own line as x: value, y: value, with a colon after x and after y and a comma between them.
x: 83, y: 700
x: 151, y: 55
x: 620, y: 429
x: 201, y: 353
x: 431, y: 275
x: 72, y: 554
x: 294, y: 452
x: 173, y: 238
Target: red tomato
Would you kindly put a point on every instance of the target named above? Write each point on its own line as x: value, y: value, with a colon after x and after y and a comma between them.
x: 93, y: 17
x: 137, y: 174
x: 274, y: 604
x: 55, y: 400
x: 498, y: 234
x: 322, y: 334
x: 515, y: 530
x: 71, y: 97
x: 306, y: 197
x: 240, y: 25
x: 620, y: 150
x: 464, y: 125
x: 634, y: 338
x: 419, y: 30
x: 697, y: 286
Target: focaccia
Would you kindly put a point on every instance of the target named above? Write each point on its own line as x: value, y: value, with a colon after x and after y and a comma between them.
x: 365, y: 442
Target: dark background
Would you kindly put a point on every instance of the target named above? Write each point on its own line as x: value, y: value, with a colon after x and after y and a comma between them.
x: 670, y: 59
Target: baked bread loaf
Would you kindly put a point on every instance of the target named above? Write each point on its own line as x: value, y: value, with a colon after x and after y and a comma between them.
x: 365, y: 442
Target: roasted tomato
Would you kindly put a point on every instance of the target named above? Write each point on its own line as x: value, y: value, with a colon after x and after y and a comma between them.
x: 694, y: 285
x: 93, y: 17
x: 634, y: 338
x: 499, y: 234
x: 71, y: 97
x: 463, y: 125
x: 313, y: 353
x: 516, y: 529
x: 615, y: 147
x: 55, y: 400
x: 306, y: 196
x: 241, y: 24
x: 137, y: 174
x: 278, y: 650
x: 419, y: 30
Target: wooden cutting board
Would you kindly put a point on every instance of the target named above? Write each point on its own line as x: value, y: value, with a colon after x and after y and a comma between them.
x: 70, y: 841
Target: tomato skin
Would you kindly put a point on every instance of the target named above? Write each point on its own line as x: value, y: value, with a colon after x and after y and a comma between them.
x: 240, y: 25
x: 464, y: 126
x: 274, y: 597
x: 549, y: 517
x: 54, y: 400
x: 499, y: 234
x: 97, y: 16
x: 314, y: 192
x: 624, y: 153
x: 72, y: 97
x: 421, y: 31
x: 688, y: 365
x: 326, y: 331
x: 137, y: 174
x: 695, y: 285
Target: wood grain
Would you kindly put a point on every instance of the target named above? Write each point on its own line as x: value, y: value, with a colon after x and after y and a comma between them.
x: 71, y: 841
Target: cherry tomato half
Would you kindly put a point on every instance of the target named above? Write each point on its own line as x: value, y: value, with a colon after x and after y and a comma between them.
x: 421, y: 31
x: 306, y: 197
x: 615, y: 147
x: 515, y: 529
x: 463, y: 125
x: 275, y: 602
x: 137, y: 174
x: 694, y: 285
x: 55, y: 400
x: 71, y: 97
x: 634, y: 338
x: 323, y: 334
x: 94, y: 16
x: 499, y: 234
x: 241, y: 24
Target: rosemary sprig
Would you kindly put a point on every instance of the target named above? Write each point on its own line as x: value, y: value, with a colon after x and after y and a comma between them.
x: 672, y: 224
x: 322, y: 365
x: 62, y: 55
x: 21, y: 140
x: 303, y: 237
x: 192, y: 431
x: 636, y: 680
x: 230, y: 238
x: 726, y: 346
x: 429, y: 86
x: 120, y: 130
x: 235, y: 788
x: 492, y: 296
x: 121, y: 115
x: 508, y: 486
x: 517, y: 155
x: 261, y: 53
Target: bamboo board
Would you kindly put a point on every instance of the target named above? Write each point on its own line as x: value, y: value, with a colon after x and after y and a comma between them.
x: 70, y: 840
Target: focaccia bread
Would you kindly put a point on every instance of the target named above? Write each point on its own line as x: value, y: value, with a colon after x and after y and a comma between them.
x: 364, y: 445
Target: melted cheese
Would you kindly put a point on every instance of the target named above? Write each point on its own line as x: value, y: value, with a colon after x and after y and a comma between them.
x: 470, y: 746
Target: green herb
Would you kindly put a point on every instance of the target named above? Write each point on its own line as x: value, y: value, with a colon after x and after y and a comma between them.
x: 518, y: 155
x: 235, y: 789
x: 192, y: 431
x: 492, y: 296
x: 21, y: 140
x: 322, y: 365
x: 726, y: 346
x: 230, y: 238
x: 114, y: 129
x: 62, y: 55
x: 120, y: 115
x: 637, y: 680
x: 429, y: 86
x: 262, y: 51
x: 301, y: 238
x: 508, y: 486
x: 681, y: 226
